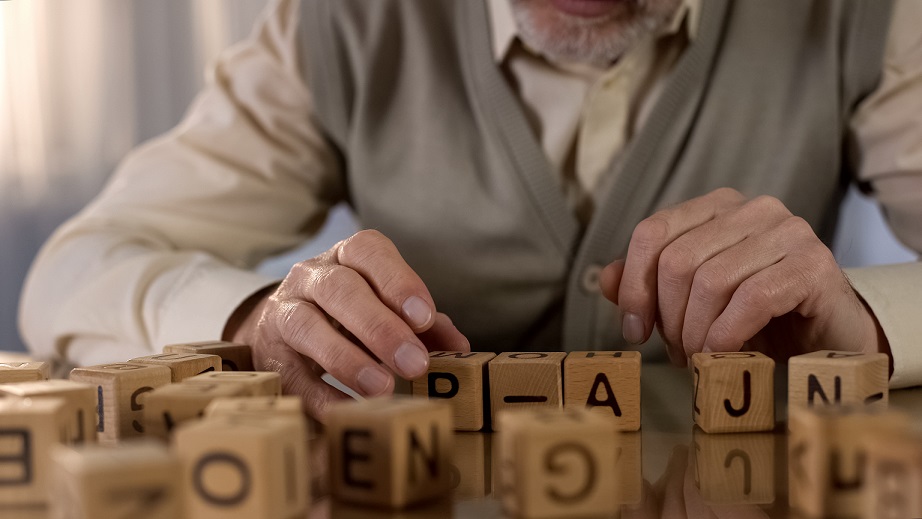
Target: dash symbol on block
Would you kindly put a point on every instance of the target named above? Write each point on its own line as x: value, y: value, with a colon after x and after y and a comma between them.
x: 524, y: 399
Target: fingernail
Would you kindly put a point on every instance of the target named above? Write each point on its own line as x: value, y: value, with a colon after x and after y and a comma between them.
x: 632, y: 328
x: 416, y: 311
x: 373, y: 381
x: 411, y: 360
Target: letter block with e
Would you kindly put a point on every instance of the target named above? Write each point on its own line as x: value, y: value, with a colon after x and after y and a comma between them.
x: 733, y: 392
x: 557, y: 462
x: 132, y: 480
x: 29, y: 427
x: 838, y: 378
x: 120, y: 393
x: 244, y: 466
x: 391, y: 452
x: 525, y: 380
x: 460, y: 379
x: 606, y: 382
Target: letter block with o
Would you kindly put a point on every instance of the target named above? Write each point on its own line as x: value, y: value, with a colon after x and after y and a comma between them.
x: 606, y: 382
x: 390, y: 452
x: 733, y: 392
x: 836, y: 378
x: 557, y: 462
x: 460, y: 379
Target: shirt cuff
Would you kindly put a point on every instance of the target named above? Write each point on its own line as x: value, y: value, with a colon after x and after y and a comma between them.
x: 199, y: 307
x: 894, y: 294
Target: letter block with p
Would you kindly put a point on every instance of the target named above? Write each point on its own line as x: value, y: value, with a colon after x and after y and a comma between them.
x: 557, y: 462
x: 606, y: 382
x: 733, y: 392
x: 460, y: 379
x: 390, y: 452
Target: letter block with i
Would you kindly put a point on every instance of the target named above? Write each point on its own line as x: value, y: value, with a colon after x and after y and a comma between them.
x: 838, y: 378
x: 391, y: 452
x: 525, y: 380
x: 460, y: 379
x: 606, y: 382
x: 733, y: 392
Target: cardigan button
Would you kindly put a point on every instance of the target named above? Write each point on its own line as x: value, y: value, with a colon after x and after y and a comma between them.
x: 589, y: 281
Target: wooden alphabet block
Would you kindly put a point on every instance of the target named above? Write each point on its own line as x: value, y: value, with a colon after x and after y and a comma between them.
x: 838, y: 378
x: 287, y: 405
x: 168, y: 406
x: 183, y: 365
x: 234, y: 356
x: 470, y: 466
x: 525, y: 380
x: 29, y: 427
x: 120, y: 393
x: 557, y: 462
x: 79, y: 399
x: 827, y: 456
x: 893, y: 475
x: 257, y: 383
x: 735, y: 468
x: 606, y: 382
x: 460, y: 379
x: 390, y: 452
x: 629, y: 468
x: 23, y: 371
x: 139, y: 479
x: 733, y: 392
x: 244, y: 466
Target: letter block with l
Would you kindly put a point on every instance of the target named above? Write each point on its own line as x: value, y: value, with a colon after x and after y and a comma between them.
x: 606, y: 382
x: 733, y: 392
x: 557, y: 462
x: 460, y: 379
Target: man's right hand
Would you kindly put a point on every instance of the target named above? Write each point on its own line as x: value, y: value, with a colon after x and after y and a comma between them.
x: 342, y: 312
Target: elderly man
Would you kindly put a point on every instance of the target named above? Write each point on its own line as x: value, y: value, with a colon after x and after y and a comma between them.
x: 524, y: 164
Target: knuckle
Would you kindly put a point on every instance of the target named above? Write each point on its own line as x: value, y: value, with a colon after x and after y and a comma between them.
x: 755, y: 295
x: 379, y: 330
x: 335, y: 286
x: 651, y: 233
x: 297, y: 324
x: 711, y: 280
x: 676, y: 263
x: 766, y: 204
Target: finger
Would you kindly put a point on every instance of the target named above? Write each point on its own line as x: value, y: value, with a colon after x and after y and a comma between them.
x: 610, y: 278
x: 299, y: 379
x: 637, y: 293
x: 443, y: 336
x: 345, y: 295
x: 377, y: 259
x: 307, y: 330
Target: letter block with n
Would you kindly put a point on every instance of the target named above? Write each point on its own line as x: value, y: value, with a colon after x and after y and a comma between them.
x: 460, y: 378
x: 733, y: 392
x: 838, y: 378
x: 557, y: 463
x: 606, y: 382
x: 390, y: 452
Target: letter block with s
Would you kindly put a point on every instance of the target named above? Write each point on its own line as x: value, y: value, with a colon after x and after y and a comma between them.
x: 733, y: 392
x: 460, y: 379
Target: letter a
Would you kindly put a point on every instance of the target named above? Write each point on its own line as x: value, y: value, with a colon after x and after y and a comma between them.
x: 610, y: 401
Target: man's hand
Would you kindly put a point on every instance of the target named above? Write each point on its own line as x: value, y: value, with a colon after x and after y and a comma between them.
x: 719, y: 271
x: 341, y: 313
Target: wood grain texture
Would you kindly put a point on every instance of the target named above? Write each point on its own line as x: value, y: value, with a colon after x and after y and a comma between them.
x: 23, y: 371
x: 79, y: 399
x: 607, y: 382
x: 461, y: 380
x: 169, y: 406
x: 735, y: 468
x: 234, y: 356
x: 29, y: 428
x: 733, y: 392
x: 838, y: 378
x: 525, y: 380
x: 257, y: 383
x: 288, y: 405
x: 894, y: 475
x: 183, y: 365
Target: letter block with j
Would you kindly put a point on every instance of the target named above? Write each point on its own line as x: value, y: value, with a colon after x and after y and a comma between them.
x: 460, y: 379
x: 390, y: 452
x: 606, y: 382
x: 557, y: 462
x: 838, y: 378
x: 733, y: 392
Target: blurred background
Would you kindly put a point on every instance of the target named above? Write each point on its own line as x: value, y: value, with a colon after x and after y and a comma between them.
x: 82, y: 82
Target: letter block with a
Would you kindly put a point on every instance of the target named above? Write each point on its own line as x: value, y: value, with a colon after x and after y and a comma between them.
x: 894, y: 475
x: 827, y: 456
x: 606, y: 382
x: 29, y: 427
x: 120, y: 393
x: 390, y: 452
x: 23, y: 371
x: 460, y: 379
x: 735, y: 468
x: 557, y: 462
x: 733, y: 392
x: 168, y: 406
x: 243, y: 467
x: 79, y: 399
x: 140, y: 479
x: 525, y: 380
x: 234, y: 356
x: 838, y: 378
x: 257, y: 383
x: 183, y: 365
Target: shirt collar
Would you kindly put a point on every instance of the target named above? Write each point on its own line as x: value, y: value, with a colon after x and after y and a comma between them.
x: 504, y: 31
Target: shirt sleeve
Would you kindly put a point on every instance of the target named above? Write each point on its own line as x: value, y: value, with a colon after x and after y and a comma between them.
x: 164, y: 253
x: 887, y: 133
